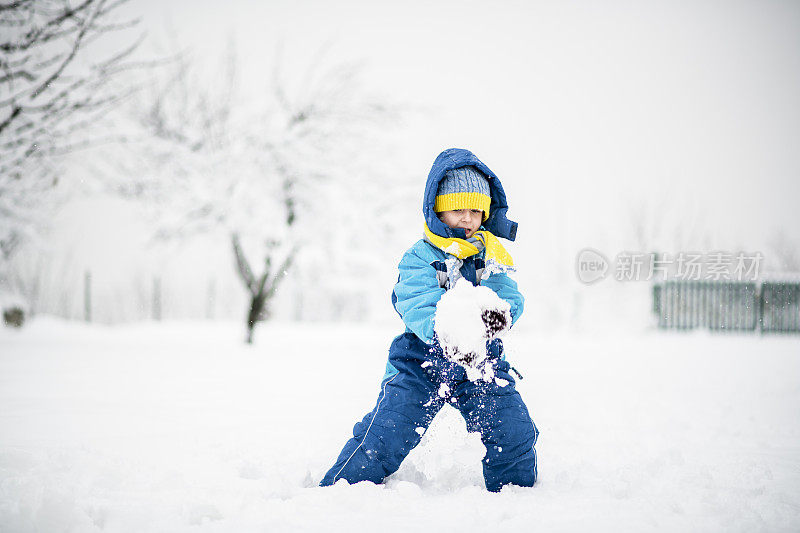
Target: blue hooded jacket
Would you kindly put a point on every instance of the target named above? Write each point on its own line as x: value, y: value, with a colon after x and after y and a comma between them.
x: 423, y: 270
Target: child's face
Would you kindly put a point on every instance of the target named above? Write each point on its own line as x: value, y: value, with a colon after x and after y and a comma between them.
x: 469, y: 219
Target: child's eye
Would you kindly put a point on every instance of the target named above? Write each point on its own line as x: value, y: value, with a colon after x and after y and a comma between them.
x: 476, y: 211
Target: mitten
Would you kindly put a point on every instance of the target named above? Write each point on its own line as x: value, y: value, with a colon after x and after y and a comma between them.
x: 452, y: 353
x: 463, y: 358
x: 496, y: 322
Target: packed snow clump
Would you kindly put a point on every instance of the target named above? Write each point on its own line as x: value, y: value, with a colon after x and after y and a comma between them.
x: 460, y: 327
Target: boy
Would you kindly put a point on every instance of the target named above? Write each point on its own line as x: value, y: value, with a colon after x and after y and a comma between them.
x: 465, y: 211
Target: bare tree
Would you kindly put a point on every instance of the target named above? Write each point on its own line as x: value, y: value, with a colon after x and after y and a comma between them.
x: 263, y: 287
x: 52, y: 96
x: 259, y: 172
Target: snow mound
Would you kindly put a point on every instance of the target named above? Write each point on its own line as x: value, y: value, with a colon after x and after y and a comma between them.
x: 458, y: 324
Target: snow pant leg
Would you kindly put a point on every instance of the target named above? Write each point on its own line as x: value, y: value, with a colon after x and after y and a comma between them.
x: 502, y: 419
x: 406, y: 406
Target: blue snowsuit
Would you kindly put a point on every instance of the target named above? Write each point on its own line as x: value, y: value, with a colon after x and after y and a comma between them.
x: 411, y: 392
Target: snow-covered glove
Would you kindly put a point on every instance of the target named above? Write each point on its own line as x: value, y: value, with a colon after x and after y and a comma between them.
x: 496, y: 322
x: 454, y: 354
x: 462, y: 358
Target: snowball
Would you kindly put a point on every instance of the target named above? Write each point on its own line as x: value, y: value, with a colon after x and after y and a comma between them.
x: 460, y: 328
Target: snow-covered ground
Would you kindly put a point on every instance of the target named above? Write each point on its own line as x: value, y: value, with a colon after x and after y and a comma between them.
x: 181, y: 427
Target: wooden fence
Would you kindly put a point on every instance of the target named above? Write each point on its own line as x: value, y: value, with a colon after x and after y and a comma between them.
x: 765, y: 306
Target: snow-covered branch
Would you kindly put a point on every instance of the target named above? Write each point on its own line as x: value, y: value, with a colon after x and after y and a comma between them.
x: 51, y: 99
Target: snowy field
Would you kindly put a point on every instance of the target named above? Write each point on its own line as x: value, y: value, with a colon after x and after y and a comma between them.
x: 180, y: 427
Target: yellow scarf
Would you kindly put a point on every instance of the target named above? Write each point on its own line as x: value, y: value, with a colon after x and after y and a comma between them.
x: 463, y: 248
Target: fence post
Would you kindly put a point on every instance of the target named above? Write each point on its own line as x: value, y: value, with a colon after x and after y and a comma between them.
x: 157, y: 298
x: 795, y: 310
x: 87, y: 296
x: 211, y: 297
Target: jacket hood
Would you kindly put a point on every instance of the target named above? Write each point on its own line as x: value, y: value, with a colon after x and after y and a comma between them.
x: 453, y: 158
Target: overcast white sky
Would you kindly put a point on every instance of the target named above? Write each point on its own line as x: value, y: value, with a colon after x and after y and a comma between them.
x: 586, y: 110
x: 573, y: 104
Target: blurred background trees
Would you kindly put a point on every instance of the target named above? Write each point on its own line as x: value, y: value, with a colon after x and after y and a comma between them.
x: 52, y: 99
x: 277, y: 177
x: 60, y: 64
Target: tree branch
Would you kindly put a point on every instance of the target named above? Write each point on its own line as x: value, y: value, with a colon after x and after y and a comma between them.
x: 37, y: 34
x: 242, y: 265
x: 44, y: 86
x: 15, y: 5
x: 281, y: 272
x: 19, y: 74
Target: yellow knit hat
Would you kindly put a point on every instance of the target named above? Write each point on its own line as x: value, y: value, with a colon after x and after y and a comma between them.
x: 463, y: 188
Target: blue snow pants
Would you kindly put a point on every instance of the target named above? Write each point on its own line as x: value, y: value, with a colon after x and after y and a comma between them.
x: 409, y: 400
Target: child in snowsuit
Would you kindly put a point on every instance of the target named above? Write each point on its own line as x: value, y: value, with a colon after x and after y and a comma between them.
x: 465, y: 211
